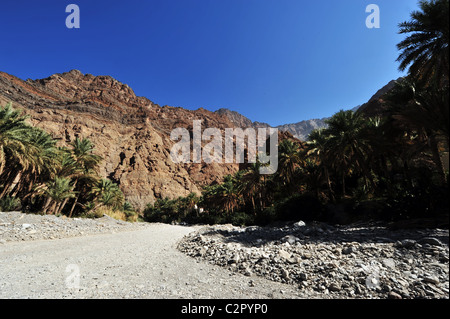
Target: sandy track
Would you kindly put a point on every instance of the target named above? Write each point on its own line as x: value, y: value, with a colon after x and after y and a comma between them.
x: 130, y: 264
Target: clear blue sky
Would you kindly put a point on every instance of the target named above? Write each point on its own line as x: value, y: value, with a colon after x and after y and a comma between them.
x: 275, y: 61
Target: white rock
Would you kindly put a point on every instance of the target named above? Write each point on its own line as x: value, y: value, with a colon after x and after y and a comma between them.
x: 284, y: 254
x: 389, y: 263
x: 299, y: 224
x: 289, y: 239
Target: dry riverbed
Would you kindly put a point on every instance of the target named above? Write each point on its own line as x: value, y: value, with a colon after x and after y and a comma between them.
x: 55, y: 257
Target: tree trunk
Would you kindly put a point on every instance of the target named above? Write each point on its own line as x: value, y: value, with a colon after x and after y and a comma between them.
x: 73, y: 206
x: 53, y: 207
x: 8, y: 182
x: 15, y: 187
x: 343, y: 185
x: 65, y: 200
x: 47, y: 203
x: 330, y: 190
x: 58, y: 208
x: 253, y: 204
x: 437, y: 158
x: 63, y: 204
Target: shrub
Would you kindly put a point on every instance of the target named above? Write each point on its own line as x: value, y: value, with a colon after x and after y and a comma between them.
x: 242, y: 219
x: 9, y: 204
x: 299, y: 207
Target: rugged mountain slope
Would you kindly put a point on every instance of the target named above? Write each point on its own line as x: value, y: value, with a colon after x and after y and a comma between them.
x: 375, y: 105
x: 131, y: 133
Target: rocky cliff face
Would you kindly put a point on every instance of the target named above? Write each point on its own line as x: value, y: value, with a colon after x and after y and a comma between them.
x: 131, y: 133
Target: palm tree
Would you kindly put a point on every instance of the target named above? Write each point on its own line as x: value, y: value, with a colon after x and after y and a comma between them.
x: 189, y: 202
x: 229, y: 194
x: 348, y: 145
x: 425, y: 50
x: 313, y: 176
x: 425, y: 112
x: 85, y: 164
x: 41, y: 162
x: 56, y: 192
x: 226, y: 195
x: 108, y: 193
x: 317, y: 150
x: 252, y: 185
x: 83, y: 152
x: 13, y: 145
x: 288, y: 161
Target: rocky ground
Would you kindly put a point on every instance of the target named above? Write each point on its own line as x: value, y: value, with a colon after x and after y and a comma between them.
x: 312, y: 260
x: 16, y: 226
x: 365, y: 261
x: 113, y: 263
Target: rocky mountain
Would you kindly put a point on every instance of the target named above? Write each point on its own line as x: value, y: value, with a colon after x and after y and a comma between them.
x: 301, y: 130
x: 131, y: 133
x: 375, y: 104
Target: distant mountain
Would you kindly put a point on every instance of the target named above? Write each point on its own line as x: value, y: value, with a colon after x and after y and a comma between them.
x: 302, y: 129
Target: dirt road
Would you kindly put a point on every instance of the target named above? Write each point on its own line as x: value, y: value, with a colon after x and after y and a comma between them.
x: 130, y: 264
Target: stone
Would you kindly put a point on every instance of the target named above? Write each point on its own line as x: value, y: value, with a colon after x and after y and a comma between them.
x: 334, y: 287
x: 348, y: 250
x: 285, y: 274
x: 431, y: 279
x: 407, y: 243
x: 202, y: 251
x: 430, y: 241
x: 388, y: 263
x: 289, y: 239
x: 284, y: 254
x: 307, y: 255
x: 303, y: 276
x: 299, y: 224
x: 376, y: 270
x: 394, y: 295
x: 234, y: 259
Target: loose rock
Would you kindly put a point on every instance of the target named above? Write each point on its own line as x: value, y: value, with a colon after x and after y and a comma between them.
x: 367, y: 261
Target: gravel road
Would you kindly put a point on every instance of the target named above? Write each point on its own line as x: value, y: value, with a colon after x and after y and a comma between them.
x: 142, y: 262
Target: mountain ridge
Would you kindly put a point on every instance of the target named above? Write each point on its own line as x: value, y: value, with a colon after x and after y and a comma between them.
x: 131, y: 133
x: 301, y: 129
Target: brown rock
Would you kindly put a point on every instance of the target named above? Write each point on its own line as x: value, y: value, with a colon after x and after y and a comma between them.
x: 131, y: 133
x: 394, y: 295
